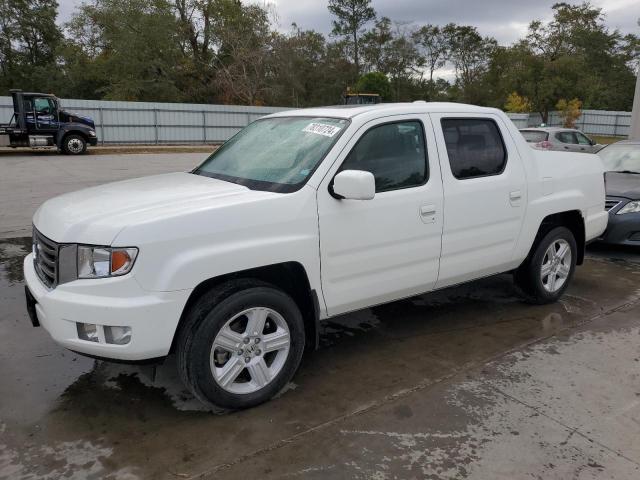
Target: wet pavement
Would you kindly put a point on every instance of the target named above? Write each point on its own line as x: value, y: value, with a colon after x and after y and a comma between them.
x: 468, y: 382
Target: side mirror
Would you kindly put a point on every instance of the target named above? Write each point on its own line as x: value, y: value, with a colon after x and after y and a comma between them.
x: 354, y: 185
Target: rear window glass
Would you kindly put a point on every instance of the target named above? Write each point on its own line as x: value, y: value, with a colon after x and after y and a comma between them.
x: 534, y: 136
x: 474, y: 146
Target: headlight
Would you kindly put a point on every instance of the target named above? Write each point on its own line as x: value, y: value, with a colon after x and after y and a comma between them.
x: 92, y: 133
x: 100, y: 262
x: 631, y: 207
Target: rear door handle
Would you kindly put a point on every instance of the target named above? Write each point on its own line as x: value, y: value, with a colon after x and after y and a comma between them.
x: 428, y: 213
x: 514, y: 197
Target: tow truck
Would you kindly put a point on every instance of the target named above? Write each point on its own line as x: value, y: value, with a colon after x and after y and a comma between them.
x: 357, y: 98
x: 38, y: 120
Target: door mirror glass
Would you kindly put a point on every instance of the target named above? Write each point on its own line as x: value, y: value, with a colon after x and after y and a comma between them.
x: 354, y: 185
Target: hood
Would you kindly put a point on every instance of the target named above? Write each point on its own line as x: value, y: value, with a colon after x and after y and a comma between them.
x: 625, y: 185
x: 75, y: 118
x: 96, y: 215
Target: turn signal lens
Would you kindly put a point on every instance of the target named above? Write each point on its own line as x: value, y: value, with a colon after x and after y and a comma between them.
x: 120, y: 261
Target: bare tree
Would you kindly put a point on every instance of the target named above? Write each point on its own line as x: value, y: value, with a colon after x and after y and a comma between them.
x: 433, y: 46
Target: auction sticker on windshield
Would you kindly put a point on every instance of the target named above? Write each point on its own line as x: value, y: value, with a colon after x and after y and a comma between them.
x: 321, y: 129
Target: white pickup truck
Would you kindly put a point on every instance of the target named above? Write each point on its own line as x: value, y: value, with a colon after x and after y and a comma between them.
x: 301, y: 216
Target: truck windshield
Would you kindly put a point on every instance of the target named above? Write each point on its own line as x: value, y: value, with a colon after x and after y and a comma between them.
x: 277, y: 154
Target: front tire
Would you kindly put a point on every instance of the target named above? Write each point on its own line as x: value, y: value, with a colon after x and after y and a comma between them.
x: 545, y: 276
x: 240, y: 345
x: 74, y: 145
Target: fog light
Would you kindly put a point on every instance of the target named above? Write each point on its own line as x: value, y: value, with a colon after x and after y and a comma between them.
x: 117, y: 335
x: 87, y: 331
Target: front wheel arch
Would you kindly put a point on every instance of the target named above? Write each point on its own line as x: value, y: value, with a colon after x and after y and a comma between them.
x: 290, y: 277
x: 76, y: 134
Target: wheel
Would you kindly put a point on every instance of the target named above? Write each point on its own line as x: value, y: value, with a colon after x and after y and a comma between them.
x: 74, y: 145
x: 240, y: 344
x: 546, y: 275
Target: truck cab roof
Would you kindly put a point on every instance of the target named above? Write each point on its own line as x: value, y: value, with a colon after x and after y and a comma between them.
x: 384, y: 109
x: 32, y: 94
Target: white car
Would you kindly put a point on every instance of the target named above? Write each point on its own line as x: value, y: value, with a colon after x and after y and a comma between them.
x: 302, y: 216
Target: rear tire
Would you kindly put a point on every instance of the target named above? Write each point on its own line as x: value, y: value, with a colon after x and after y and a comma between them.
x: 74, y: 145
x: 545, y: 276
x: 226, y: 362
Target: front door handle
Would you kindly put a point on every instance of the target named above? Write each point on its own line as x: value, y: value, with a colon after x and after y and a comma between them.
x: 514, y: 197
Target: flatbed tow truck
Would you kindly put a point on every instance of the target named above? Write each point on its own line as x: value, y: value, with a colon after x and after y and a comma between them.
x: 38, y: 120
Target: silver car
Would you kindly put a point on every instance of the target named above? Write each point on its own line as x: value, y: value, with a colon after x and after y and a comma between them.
x: 561, y: 139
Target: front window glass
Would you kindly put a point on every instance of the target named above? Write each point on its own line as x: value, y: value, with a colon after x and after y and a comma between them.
x: 43, y: 106
x: 583, y: 139
x: 394, y: 153
x: 566, y: 137
x: 621, y: 158
x: 276, y: 154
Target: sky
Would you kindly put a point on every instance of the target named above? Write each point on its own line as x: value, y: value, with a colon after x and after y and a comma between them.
x: 505, y: 20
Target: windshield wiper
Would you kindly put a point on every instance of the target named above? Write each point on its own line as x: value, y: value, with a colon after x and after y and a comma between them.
x: 627, y: 171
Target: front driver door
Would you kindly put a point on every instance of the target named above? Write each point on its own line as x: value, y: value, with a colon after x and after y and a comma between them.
x: 568, y: 141
x: 374, y: 251
x: 584, y: 143
x: 46, y: 115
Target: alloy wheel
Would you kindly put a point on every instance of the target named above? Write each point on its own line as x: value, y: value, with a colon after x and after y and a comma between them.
x: 556, y: 265
x: 250, y: 350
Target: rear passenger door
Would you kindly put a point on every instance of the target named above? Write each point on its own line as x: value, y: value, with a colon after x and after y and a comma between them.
x: 378, y: 250
x: 485, y: 194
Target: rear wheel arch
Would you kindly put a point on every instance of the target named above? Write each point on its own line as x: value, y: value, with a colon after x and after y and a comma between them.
x: 290, y: 277
x: 571, y: 219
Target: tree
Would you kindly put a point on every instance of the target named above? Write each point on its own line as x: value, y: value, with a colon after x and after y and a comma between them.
x: 374, y: 43
x: 352, y: 16
x: 244, y: 58
x: 470, y: 54
x: 375, y: 82
x: 576, y: 45
x: 517, y: 104
x: 401, y: 59
x: 433, y: 46
x: 569, y: 111
x: 133, y: 45
x: 29, y: 40
x: 298, y: 59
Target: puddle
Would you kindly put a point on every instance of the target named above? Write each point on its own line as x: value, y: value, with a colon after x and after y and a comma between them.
x: 12, y: 253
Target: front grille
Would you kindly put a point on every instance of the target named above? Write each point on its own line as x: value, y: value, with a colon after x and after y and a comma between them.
x: 610, y: 203
x: 45, y: 259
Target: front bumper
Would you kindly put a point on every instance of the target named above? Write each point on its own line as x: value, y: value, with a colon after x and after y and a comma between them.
x: 93, y: 141
x: 622, y: 229
x: 120, y: 301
